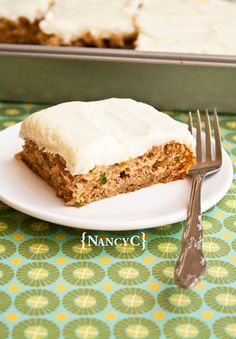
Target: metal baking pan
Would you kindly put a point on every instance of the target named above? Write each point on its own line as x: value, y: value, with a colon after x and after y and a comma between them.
x: 44, y: 74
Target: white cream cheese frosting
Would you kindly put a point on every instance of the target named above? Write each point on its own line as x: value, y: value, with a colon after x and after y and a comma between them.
x: 72, y: 19
x: 187, y: 26
x: 30, y: 9
x: 101, y: 133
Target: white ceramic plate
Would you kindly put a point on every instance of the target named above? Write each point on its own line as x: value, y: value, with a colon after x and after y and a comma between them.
x: 158, y: 205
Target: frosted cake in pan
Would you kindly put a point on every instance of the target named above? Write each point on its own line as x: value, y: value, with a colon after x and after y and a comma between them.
x: 184, y: 26
x: 96, y: 23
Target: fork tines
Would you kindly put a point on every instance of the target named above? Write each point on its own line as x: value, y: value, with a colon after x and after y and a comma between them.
x: 208, y: 140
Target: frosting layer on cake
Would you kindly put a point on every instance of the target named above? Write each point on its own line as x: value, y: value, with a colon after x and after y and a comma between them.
x: 30, y: 9
x: 101, y: 133
x: 72, y: 19
x: 187, y: 26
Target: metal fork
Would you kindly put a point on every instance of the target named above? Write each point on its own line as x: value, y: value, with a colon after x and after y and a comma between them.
x: 191, y: 264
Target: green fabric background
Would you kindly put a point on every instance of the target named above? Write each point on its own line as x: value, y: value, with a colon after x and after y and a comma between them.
x: 51, y: 288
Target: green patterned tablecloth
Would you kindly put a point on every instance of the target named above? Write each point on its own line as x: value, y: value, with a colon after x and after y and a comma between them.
x: 51, y: 288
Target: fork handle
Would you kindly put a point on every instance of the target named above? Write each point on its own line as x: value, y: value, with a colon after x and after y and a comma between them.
x: 191, y: 264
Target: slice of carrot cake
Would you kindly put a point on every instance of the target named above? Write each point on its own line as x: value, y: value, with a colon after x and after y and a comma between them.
x: 92, y: 150
x: 95, y: 23
x: 19, y: 21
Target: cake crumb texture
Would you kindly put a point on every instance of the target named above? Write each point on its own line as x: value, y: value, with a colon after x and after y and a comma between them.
x: 160, y: 164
